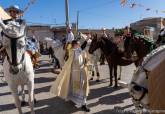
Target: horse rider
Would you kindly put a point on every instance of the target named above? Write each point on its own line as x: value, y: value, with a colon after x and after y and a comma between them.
x: 127, y: 35
x: 14, y: 23
x: 119, y: 34
x: 161, y: 36
x: 69, y: 39
x: 104, y: 35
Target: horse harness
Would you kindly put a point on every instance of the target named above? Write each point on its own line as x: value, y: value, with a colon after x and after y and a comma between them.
x: 14, y: 64
x: 137, y: 87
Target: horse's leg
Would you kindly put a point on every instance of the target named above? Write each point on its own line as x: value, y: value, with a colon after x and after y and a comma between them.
x: 93, y: 74
x: 115, y: 74
x: 110, y: 71
x: 120, y: 73
x: 14, y: 91
x: 35, y: 100
x: 30, y: 87
x: 97, y: 71
x: 93, y: 70
x: 23, y: 95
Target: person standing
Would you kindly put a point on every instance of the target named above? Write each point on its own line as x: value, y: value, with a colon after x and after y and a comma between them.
x: 15, y: 26
x: 161, y: 36
x: 72, y: 82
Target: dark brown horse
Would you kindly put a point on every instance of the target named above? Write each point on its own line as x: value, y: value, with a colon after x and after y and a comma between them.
x: 139, y: 45
x: 112, y: 53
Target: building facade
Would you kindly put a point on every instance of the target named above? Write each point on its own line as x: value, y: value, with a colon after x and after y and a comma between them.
x: 57, y: 32
x: 155, y: 23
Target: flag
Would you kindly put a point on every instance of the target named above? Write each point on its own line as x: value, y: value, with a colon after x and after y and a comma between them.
x: 133, y: 5
x: 3, y: 14
x: 148, y: 9
x: 123, y: 2
x: 156, y: 11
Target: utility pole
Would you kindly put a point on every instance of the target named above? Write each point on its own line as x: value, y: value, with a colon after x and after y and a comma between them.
x: 67, y: 12
x: 77, y: 26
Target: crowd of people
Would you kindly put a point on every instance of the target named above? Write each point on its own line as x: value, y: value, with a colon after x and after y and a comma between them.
x: 72, y: 83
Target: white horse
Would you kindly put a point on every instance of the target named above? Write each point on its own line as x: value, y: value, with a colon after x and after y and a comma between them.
x: 93, y: 59
x: 59, y: 51
x: 139, y: 86
x: 18, y: 68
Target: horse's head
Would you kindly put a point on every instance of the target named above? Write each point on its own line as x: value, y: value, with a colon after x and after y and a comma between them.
x: 81, y: 37
x: 129, y: 46
x: 95, y: 44
x: 139, y: 89
x: 15, y: 48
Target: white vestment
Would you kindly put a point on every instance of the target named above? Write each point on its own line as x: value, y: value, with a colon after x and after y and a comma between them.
x: 70, y: 37
x: 79, y: 98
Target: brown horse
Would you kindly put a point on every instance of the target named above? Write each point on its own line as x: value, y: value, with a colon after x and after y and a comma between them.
x: 139, y: 45
x: 112, y: 53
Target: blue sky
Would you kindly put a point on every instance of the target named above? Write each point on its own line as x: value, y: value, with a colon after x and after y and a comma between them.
x: 93, y: 13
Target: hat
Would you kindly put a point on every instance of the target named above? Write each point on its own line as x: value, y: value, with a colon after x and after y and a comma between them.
x: 119, y: 32
x: 14, y: 7
x: 103, y: 29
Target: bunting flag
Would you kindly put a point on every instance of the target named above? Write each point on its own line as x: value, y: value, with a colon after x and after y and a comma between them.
x: 3, y: 14
x: 148, y: 9
x: 123, y: 2
x: 31, y: 2
x: 163, y: 11
x: 133, y: 5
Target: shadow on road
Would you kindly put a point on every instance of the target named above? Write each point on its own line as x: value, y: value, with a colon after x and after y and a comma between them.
x: 101, y: 81
x: 7, y: 107
x: 43, y: 80
x: 54, y: 106
x: 3, y: 94
x: 3, y: 84
x: 95, y: 93
x: 111, y: 100
x: 113, y: 111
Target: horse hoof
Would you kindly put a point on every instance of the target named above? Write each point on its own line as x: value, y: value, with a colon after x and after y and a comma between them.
x: 35, y: 101
x: 115, y: 86
x: 98, y: 74
x: 93, y: 74
x: 97, y: 80
x: 91, y: 79
x: 110, y: 85
x: 23, y: 103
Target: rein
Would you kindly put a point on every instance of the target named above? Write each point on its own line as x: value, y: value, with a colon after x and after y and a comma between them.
x: 145, y: 91
x: 14, y: 50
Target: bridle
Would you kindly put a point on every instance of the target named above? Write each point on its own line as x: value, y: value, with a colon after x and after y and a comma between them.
x: 13, y: 61
x: 137, y: 87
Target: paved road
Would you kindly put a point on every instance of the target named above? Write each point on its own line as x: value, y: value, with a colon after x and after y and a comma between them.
x: 102, y: 99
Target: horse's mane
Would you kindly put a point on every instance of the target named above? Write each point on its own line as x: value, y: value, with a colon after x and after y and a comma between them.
x: 108, y: 41
x: 148, y: 42
x: 108, y: 45
x: 152, y: 54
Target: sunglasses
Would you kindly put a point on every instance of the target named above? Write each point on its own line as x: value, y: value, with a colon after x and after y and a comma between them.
x: 13, y: 11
